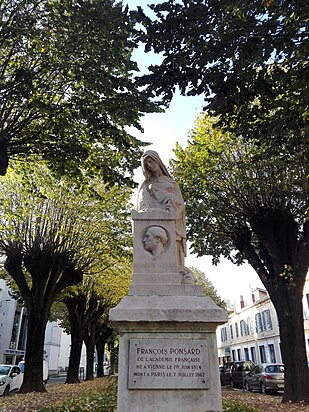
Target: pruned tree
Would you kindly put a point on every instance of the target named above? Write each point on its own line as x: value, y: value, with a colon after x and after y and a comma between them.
x: 88, y: 305
x: 249, y: 59
x: 103, y: 333
x: 67, y: 86
x: 50, y: 235
x: 246, y: 202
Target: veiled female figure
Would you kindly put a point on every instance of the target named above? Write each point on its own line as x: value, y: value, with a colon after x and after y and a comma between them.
x: 160, y: 191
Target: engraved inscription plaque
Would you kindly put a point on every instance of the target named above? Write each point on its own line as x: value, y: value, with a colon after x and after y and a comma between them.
x: 168, y: 364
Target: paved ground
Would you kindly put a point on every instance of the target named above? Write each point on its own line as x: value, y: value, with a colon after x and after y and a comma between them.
x: 263, y: 403
x: 33, y: 402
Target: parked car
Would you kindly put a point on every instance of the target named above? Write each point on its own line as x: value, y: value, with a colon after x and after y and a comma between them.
x: 232, y: 373
x: 225, y: 373
x: 21, y: 365
x: 239, y: 371
x: 266, y: 377
x: 11, y: 379
x: 106, y: 368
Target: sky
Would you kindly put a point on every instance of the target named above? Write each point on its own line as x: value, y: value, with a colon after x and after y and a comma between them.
x: 162, y: 131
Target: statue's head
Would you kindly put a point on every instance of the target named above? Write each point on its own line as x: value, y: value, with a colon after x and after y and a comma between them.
x: 151, y: 163
x: 155, y: 240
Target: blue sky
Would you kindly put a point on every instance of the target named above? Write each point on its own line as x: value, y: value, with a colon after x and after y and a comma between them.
x: 163, y: 130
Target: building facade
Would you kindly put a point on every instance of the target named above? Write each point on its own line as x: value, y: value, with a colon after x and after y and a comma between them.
x: 13, y: 327
x: 252, y: 331
x: 13, y: 332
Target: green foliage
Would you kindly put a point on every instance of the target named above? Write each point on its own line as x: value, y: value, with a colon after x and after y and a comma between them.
x: 249, y: 59
x: 99, y: 291
x: 231, y: 187
x: 234, y: 406
x: 208, y: 287
x: 88, y: 224
x: 52, y: 234
x: 67, y: 86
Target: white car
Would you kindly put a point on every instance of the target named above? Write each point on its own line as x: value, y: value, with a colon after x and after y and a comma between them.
x: 11, y: 379
x: 45, y: 370
x: 106, y: 368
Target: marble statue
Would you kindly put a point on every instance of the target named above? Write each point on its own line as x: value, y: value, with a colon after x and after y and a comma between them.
x: 160, y: 191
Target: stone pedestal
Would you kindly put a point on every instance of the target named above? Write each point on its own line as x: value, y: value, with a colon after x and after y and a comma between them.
x: 168, y: 360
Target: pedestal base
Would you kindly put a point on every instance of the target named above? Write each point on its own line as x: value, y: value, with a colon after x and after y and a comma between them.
x: 168, y: 359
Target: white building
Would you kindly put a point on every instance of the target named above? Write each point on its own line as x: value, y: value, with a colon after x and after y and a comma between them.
x: 13, y: 327
x: 65, y: 352
x: 13, y: 332
x: 52, y: 347
x: 252, y: 332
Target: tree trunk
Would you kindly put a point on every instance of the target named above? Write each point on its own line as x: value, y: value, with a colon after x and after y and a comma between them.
x: 90, y: 345
x: 288, y: 304
x: 281, y: 261
x: 33, y: 374
x: 100, y: 345
x: 75, y: 355
x: 76, y: 343
x: 89, y: 359
x: 103, y: 333
x: 113, y: 356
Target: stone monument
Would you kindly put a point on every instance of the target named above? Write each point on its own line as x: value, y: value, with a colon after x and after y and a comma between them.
x: 168, y: 357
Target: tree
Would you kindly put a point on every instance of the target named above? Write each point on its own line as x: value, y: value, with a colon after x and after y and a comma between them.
x: 88, y: 305
x: 103, y: 333
x: 208, y: 287
x: 51, y: 233
x: 249, y: 59
x: 247, y: 203
x: 67, y: 86
x: 85, y: 307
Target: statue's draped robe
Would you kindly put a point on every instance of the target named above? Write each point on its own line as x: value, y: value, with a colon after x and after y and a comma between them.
x: 163, y: 192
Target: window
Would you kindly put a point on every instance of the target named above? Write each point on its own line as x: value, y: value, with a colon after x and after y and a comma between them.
x: 236, y: 330
x: 263, y: 321
x: 231, y: 331
x: 242, y: 328
x: 249, y: 325
x: 267, y: 323
x: 258, y: 323
x: 223, y: 334
x: 239, y: 367
x: 246, y: 350
x: 15, y: 370
x: 239, y: 354
x: 13, y: 344
x: 247, y: 366
x: 307, y: 296
x: 262, y: 354
x: 272, y: 354
x: 253, y: 355
x: 233, y: 355
x: 274, y: 369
